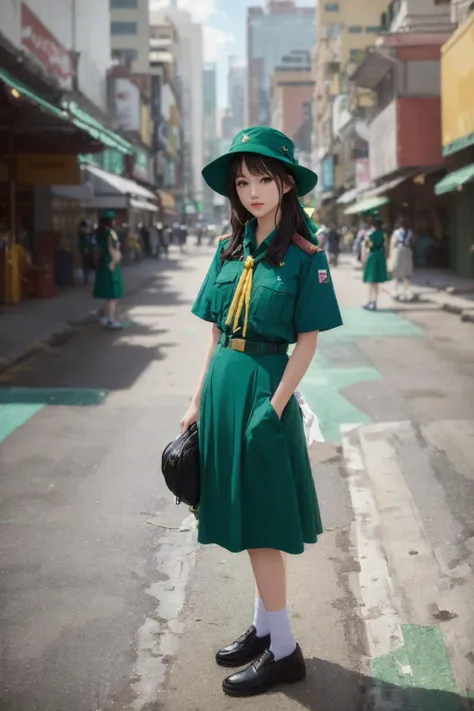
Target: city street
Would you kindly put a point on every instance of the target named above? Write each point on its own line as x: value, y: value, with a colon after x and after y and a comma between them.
x: 107, y: 601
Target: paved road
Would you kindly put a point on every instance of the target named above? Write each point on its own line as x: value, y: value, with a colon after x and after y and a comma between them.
x: 106, y: 601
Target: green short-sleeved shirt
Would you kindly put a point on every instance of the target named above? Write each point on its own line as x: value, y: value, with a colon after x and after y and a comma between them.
x: 295, y: 297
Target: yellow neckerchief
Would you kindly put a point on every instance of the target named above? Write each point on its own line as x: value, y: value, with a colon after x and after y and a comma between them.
x: 243, y: 292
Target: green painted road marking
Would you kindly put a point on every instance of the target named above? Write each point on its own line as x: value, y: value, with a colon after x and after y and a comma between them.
x: 340, y: 363
x: 14, y: 416
x: 74, y: 397
x: 19, y: 405
x: 422, y: 665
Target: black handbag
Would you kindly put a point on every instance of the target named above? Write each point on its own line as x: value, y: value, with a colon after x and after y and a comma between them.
x: 180, y: 467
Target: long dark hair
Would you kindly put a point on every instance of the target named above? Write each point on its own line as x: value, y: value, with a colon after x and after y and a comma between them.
x: 290, y: 214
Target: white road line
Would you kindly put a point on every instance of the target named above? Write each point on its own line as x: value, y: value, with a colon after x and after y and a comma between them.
x: 380, y: 612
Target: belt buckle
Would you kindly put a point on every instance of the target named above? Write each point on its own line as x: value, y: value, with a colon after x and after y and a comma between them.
x: 238, y: 344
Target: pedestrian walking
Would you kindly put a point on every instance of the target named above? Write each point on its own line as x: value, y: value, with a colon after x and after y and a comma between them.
x: 269, y: 285
x: 334, y: 244
x: 401, y: 260
x: 108, y: 279
x: 85, y: 242
x: 375, y: 269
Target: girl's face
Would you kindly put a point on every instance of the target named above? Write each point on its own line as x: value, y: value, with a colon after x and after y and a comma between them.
x: 259, y: 194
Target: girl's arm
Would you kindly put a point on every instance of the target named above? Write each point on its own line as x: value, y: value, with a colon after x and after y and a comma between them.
x: 296, y: 369
x: 192, y: 413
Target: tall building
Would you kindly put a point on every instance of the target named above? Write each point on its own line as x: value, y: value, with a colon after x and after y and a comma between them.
x: 292, y: 96
x: 210, y: 131
x: 236, y: 84
x: 189, y: 66
x: 273, y: 31
x: 130, y: 32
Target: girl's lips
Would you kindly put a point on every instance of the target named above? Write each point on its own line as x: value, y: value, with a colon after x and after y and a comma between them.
x: 257, y: 204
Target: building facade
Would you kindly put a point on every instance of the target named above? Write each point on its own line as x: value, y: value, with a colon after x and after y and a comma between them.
x: 345, y: 30
x: 54, y: 133
x: 130, y: 32
x: 292, y: 96
x: 236, y: 88
x: 273, y: 31
x: 457, y: 187
x: 189, y: 73
x: 210, y: 132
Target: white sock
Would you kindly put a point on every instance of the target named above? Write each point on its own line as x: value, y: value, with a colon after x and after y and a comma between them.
x: 260, y: 619
x: 283, y: 641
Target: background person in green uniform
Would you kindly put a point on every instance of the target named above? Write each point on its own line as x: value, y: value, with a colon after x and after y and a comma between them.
x: 108, y: 278
x: 375, y: 269
x: 269, y: 285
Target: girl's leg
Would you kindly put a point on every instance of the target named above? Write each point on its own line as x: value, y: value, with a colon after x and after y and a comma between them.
x: 111, y: 310
x: 376, y: 293
x: 408, y: 288
x: 270, y: 575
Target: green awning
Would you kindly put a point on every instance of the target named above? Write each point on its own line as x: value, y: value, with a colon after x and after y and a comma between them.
x: 367, y: 204
x: 36, y: 99
x: 88, y: 123
x: 454, y: 180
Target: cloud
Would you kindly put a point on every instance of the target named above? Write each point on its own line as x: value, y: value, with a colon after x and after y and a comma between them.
x: 201, y: 10
x: 214, y: 41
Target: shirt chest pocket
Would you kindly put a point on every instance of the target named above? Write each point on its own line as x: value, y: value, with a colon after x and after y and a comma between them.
x: 275, y: 303
x: 224, y: 288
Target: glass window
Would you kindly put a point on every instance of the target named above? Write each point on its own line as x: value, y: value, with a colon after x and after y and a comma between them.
x: 128, y: 54
x: 374, y: 28
x: 123, y: 4
x: 355, y: 29
x: 332, y: 7
x: 124, y: 28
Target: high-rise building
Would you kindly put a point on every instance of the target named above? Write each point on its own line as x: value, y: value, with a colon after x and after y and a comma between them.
x: 210, y: 131
x: 189, y: 65
x: 273, y: 32
x: 292, y: 97
x: 130, y: 31
x: 236, y: 82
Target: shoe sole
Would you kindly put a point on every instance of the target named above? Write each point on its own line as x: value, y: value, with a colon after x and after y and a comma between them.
x: 229, y: 691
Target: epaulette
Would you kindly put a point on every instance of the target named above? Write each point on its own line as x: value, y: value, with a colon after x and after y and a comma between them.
x: 305, y: 244
x: 221, y: 239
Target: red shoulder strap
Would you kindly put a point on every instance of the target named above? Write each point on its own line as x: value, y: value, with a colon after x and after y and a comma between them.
x: 305, y: 244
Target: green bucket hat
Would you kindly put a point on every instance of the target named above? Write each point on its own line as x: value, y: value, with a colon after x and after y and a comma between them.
x: 267, y: 142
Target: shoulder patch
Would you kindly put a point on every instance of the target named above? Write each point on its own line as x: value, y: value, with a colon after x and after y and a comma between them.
x: 305, y: 244
x: 224, y: 237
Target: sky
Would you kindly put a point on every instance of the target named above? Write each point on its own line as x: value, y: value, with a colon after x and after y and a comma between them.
x: 224, y: 23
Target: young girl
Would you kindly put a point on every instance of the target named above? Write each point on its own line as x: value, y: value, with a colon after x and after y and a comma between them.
x: 108, y: 279
x: 401, y: 260
x: 375, y: 270
x: 269, y: 285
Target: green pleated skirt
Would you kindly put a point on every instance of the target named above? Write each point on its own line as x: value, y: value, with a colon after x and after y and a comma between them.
x: 375, y: 270
x: 257, y: 488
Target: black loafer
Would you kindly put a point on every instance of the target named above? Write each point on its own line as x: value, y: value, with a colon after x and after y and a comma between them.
x: 244, y: 650
x: 265, y: 673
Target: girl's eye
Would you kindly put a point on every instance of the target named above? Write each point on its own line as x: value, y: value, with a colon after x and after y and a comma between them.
x: 241, y: 183
x: 266, y: 180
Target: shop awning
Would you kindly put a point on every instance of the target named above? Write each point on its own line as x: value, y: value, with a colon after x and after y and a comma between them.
x: 390, y: 185
x: 373, y: 68
x: 366, y: 204
x: 110, y: 184
x: 17, y: 86
x: 167, y: 200
x: 97, y: 130
x: 143, y: 205
x: 455, y: 180
x: 349, y: 196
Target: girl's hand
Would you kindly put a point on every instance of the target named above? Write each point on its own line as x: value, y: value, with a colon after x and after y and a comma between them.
x: 191, y: 416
